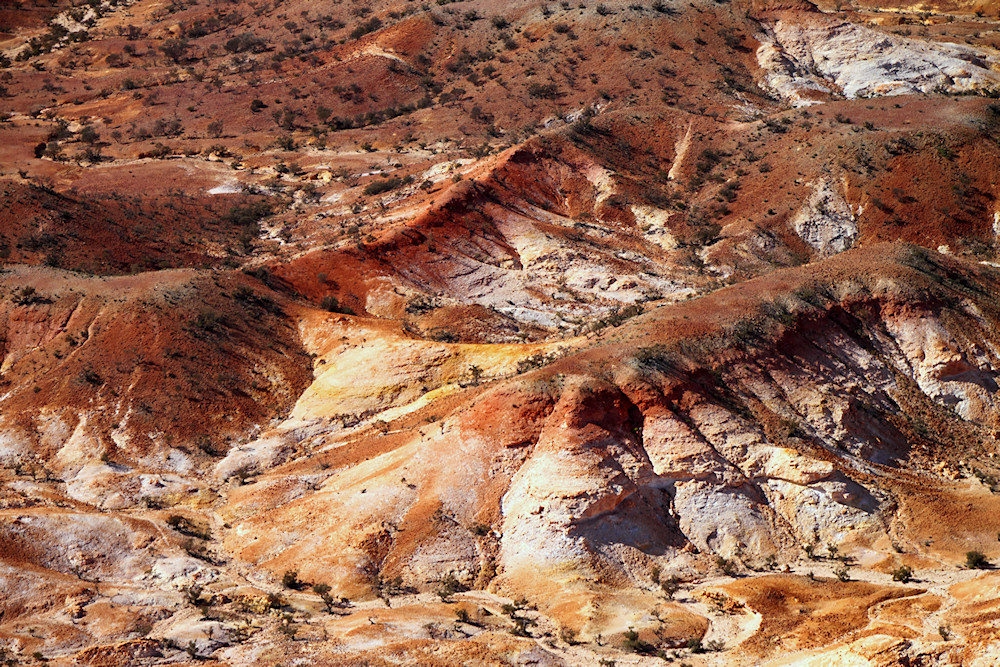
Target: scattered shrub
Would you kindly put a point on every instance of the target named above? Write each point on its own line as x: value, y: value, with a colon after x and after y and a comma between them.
x: 208, y: 321
x: 290, y: 579
x: 371, y: 25
x: 670, y: 586
x: 248, y: 215
x: 976, y: 560
x: 331, y: 304
x: 545, y: 91
x: 636, y: 645
x: 386, y: 185
x: 448, y: 586
x: 727, y: 566
x: 91, y: 377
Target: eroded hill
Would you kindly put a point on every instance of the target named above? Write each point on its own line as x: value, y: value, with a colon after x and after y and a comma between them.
x: 541, y: 333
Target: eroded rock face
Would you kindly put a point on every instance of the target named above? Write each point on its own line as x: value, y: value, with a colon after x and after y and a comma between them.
x: 826, y: 222
x: 565, y: 483
x: 600, y: 481
x: 954, y: 368
x: 497, y: 333
x: 586, y: 494
x: 808, y: 54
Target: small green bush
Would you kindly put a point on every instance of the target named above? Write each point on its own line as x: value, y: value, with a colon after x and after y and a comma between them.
x: 290, y: 579
x: 386, y: 185
x: 976, y: 560
x: 247, y: 215
x: 636, y: 645
x: 331, y: 304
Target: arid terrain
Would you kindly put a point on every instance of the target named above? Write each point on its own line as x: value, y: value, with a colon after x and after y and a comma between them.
x: 550, y: 333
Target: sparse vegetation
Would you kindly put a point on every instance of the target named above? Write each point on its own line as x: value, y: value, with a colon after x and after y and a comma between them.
x: 386, y: 185
x: 633, y: 643
x: 598, y: 300
x: 331, y: 304
x: 248, y: 214
x: 670, y: 586
x: 728, y: 566
x: 290, y: 579
x: 91, y: 377
x: 448, y: 586
x: 976, y: 560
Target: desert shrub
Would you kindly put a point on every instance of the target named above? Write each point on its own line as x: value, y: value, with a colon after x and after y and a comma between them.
x: 142, y: 628
x: 727, y: 566
x: 247, y: 215
x: 386, y: 588
x: 288, y: 628
x: 193, y: 595
x: 28, y: 296
x: 371, y: 25
x: 670, y: 586
x: 902, y: 574
x: 185, y: 526
x: 386, y: 185
x: 442, y: 335
x: 520, y: 628
x: 546, y: 91
x: 976, y: 560
x: 729, y: 190
x: 617, y: 316
x: 208, y: 321
x: 90, y: 376
x: 448, y: 586
x: 290, y: 579
x: 175, y: 49
x: 636, y: 645
x: 331, y: 304
x: 90, y: 154
x: 323, y: 591
x: 420, y: 304
x: 244, y: 42
x: 537, y: 360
